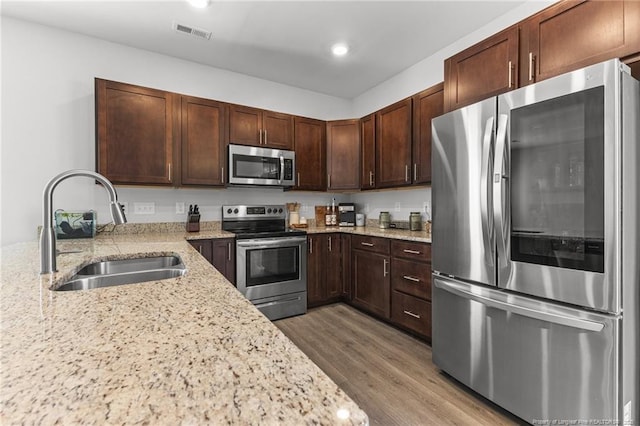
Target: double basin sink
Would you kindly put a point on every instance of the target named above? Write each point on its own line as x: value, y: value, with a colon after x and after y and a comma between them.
x: 126, y: 271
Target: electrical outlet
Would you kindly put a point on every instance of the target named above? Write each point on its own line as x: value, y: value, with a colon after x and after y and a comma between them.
x: 144, y: 208
x: 179, y: 208
x: 425, y: 207
x: 397, y: 207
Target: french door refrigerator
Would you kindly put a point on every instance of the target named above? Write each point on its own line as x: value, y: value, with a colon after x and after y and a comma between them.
x: 536, y: 283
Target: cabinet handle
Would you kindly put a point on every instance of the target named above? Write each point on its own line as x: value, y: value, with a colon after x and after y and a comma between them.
x: 222, y: 174
x: 329, y: 243
x: 370, y: 178
x: 510, y: 79
x: 411, y: 314
x: 169, y: 172
x: 329, y: 179
x: 415, y: 172
x: 200, y: 249
x: 406, y: 173
x: 229, y: 248
x: 310, y: 245
x: 414, y: 279
x: 298, y: 178
x: 385, y: 262
x: 367, y: 244
x: 260, y: 136
x: 265, y: 136
x: 412, y: 251
x: 531, y: 66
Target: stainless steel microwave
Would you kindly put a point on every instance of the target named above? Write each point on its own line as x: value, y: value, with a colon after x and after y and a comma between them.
x: 250, y: 165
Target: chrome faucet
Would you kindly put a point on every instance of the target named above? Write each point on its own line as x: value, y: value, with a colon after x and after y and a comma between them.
x: 48, y: 237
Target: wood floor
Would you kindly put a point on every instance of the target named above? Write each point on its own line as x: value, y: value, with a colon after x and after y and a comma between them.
x: 387, y: 372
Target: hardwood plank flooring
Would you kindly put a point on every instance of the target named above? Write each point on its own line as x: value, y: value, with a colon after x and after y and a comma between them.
x: 387, y: 372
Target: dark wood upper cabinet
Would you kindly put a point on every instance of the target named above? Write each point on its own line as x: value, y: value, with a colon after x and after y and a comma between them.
x: 570, y: 35
x: 134, y: 133
x: 311, y: 154
x: 253, y: 126
x: 343, y: 154
x: 368, y: 151
x: 393, y: 145
x: 634, y: 64
x: 203, y: 144
x: 427, y: 105
x: 483, y: 70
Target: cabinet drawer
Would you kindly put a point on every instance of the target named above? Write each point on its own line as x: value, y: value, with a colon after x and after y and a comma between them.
x: 411, y: 250
x: 412, y: 313
x: 412, y: 278
x: 378, y: 245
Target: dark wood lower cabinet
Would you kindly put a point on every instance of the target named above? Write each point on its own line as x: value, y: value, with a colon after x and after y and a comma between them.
x: 221, y: 253
x: 387, y: 278
x: 325, y: 277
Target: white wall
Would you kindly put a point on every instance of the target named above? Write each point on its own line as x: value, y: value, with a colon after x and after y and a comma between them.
x: 398, y: 202
x: 48, y: 121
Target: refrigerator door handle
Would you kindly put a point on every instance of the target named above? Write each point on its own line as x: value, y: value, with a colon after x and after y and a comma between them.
x: 498, y: 177
x: 551, y: 317
x: 485, y: 184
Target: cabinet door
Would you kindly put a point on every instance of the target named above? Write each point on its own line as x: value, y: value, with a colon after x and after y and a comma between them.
x: 483, y: 70
x: 368, y: 137
x: 277, y: 130
x: 134, y: 129
x: 573, y: 34
x: 333, y: 267
x: 245, y: 125
x: 393, y: 145
x: 223, y: 257
x: 203, y: 145
x: 311, y: 148
x: 204, y: 247
x: 316, y: 269
x: 426, y: 105
x: 634, y: 64
x: 371, y: 285
x: 343, y: 154
x: 346, y: 266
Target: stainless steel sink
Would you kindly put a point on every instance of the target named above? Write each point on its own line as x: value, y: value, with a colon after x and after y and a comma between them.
x: 127, y: 271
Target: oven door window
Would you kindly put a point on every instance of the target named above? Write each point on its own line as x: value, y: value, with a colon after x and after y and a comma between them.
x: 557, y: 182
x: 272, y: 265
x: 255, y: 167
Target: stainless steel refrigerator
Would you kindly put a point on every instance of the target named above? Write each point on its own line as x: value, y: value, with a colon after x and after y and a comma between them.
x: 536, y: 283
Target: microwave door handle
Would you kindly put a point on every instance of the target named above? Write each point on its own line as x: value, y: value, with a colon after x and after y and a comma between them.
x: 281, y: 168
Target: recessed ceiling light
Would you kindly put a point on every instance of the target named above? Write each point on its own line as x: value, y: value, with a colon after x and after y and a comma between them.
x: 201, y: 4
x: 339, y: 49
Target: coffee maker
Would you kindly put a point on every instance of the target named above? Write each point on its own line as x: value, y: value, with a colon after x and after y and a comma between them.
x: 347, y: 212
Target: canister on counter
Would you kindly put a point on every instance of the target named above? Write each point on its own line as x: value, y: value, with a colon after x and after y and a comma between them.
x: 384, y: 220
x: 415, y: 221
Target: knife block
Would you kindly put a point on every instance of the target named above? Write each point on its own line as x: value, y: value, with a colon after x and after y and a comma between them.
x: 193, y: 223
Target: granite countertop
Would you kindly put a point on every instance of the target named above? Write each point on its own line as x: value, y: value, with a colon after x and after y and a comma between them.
x: 373, y: 231
x: 188, y: 350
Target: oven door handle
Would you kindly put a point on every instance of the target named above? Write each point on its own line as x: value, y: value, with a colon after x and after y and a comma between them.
x: 270, y: 243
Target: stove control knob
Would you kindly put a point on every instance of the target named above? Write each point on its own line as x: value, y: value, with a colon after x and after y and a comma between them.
x: 280, y: 210
x: 235, y: 211
x: 269, y: 211
x: 229, y: 211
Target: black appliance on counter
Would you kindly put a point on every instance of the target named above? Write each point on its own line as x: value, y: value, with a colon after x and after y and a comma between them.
x: 347, y: 212
x: 271, y: 259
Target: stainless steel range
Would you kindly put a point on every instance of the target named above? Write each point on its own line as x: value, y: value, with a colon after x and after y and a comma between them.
x: 271, y: 261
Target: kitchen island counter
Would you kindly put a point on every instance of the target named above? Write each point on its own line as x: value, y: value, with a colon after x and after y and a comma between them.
x: 188, y: 350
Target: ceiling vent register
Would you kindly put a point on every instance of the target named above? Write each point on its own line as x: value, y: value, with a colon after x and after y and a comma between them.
x: 196, y: 32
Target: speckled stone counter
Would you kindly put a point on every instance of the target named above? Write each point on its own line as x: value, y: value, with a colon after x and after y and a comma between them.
x: 398, y: 234
x: 188, y: 350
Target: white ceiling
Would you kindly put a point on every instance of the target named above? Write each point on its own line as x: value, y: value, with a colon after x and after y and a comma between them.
x: 282, y: 41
